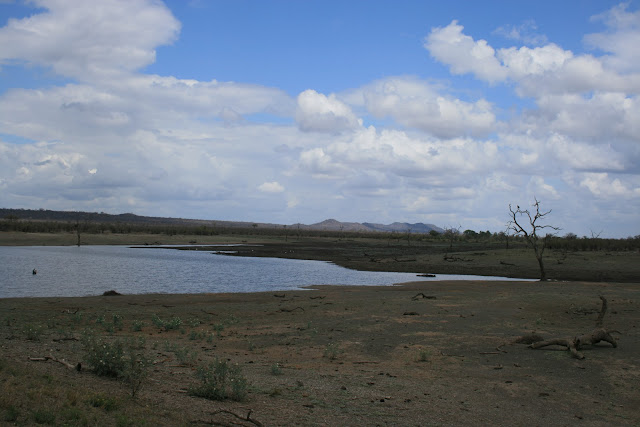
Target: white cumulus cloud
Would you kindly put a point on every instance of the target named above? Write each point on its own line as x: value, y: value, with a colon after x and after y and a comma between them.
x: 320, y: 113
x: 417, y: 104
x: 87, y: 40
x: 271, y: 187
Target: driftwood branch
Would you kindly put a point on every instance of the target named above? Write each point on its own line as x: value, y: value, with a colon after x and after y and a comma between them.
x: 574, y: 344
x: 523, y: 339
x: 61, y: 361
x: 240, y: 417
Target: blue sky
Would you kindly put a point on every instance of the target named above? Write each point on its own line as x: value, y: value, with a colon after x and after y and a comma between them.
x: 298, y: 111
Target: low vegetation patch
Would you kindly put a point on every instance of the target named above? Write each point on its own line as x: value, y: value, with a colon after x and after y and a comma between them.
x: 121, y: 359
x: 220, y: 381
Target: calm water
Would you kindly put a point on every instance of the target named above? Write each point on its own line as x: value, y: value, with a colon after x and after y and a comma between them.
x: 91, y: 270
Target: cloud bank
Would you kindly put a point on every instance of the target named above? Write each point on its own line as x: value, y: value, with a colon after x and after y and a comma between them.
x: 401, y: 148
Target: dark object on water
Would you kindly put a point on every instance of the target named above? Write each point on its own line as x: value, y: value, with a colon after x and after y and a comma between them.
x: 35, y: 272
x: 111, y: 293
x: 426, y: 275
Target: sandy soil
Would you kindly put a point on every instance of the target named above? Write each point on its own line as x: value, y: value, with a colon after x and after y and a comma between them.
x: 340, y: 356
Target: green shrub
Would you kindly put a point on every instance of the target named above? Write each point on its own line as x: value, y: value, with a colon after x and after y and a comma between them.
x: 106, y: 359
x: 276, y: 369
x: 220, y: 381
x: 195, y: 335
x: 118, y: 359
x: 137, y: 326
x: 167, y: 325
x: 135, y: 371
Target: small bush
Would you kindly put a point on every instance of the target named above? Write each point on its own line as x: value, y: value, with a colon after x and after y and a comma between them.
x: 183, y: 355
x: 135, y: 372
x: 424, y: 355
x: 118, y: 360
x: 107, y: 359
x: 137, y: 326
x: 195, y: 335
x: 105, y: 402
x: 43, y: 416
x: 117, y: 322
x: 220, y: 381
x: 32, y: 332
x: 331, y: 351
x: 276, y: 369
x: 11, y: 414
x: 167, y: 325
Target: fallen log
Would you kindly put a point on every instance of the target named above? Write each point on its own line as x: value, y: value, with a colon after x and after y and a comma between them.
x: 574, y: 344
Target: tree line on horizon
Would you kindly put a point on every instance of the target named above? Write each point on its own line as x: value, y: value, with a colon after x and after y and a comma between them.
x: 450, y: 239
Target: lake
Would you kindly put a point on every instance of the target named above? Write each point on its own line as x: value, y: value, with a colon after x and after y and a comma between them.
x: 68, y: 271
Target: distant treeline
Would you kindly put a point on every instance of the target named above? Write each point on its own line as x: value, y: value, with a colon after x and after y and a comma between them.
x: 99, y: 223
x: 74, y: 216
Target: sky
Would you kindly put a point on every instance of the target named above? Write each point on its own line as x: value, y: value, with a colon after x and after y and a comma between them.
x: 299, y: 111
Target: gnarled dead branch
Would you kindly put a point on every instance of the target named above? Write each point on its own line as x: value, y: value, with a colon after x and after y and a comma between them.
x: 574, y: 344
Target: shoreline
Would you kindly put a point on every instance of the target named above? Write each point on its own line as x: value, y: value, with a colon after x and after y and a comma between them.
x: 380, y: 255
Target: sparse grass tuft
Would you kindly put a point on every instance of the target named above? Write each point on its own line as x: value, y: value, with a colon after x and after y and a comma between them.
x: 137, y: 325
x: 332, y: 351
x: 424, y: 355
x: 32, y: 332
x: 43, y: 416
x: 220, y: 381
x: 11, y: 414
x: 196, y: 335
x: 108, y: 403
x: 276, y: 369
x: 167, y: 325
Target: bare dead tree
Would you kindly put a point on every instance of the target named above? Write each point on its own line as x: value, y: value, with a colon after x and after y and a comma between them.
x: 451, y: 233
x: 531, y: 231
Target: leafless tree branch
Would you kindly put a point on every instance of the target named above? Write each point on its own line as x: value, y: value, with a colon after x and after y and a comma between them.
x: 531, y: 231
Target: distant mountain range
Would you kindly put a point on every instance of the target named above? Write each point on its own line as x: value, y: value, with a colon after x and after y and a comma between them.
x: 402, y: 227
x: 129, y: 218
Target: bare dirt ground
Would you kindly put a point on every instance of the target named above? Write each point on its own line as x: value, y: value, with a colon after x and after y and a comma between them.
x: 333, y: 356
